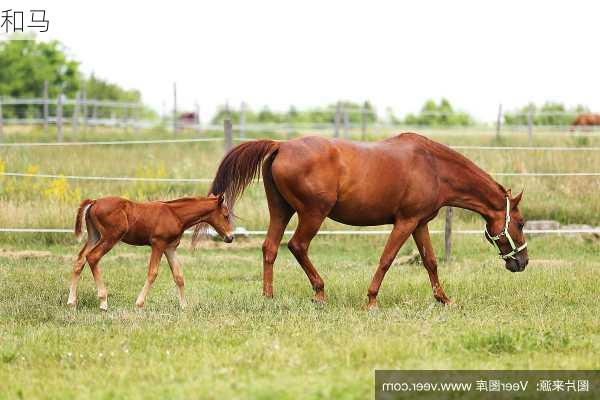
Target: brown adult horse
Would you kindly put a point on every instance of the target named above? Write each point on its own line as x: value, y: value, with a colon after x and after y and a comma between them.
x: 585, y: 120
x: 403, y: 181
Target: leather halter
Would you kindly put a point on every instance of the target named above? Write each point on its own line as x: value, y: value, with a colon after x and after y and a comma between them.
x: 495, y: 239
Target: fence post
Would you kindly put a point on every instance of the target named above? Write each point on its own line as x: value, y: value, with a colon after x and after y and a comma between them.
x: 346, y: 124
x: 75, y: 122
x: 530, y: 123
x: 363, y: 121
x: 174, y: 109
x: 126, y: 117
x: 138, y: 112
x: 448, y: 235
x: 95, y: 113
x: 499, y: 122
x: 85, y: 108
x: 243, y: 120
x: 1, y: 123
x: 197, y: 119
x: 228, y: 133
x: 45, y: 106
x: 59, y: 114
x: 336, y: 120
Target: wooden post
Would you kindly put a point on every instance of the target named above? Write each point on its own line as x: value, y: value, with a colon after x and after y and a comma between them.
x: 243, y: 120
x: 1, y: 122
x: 85, y: 108
x: 174, y: 109
x: 126, y: 117
x: 499, y: 122
x: 136, y: 122
x: 75, y: 122
x: 45, y: 106
x: 228, y: 133
x: 59, y: 114
x: 530, y: 123
x: 95, y: 112
x: 197, y: 119
x: 336, y: 120
x: 346, y: 124
x: 448, y: 235
x: 363, y: 120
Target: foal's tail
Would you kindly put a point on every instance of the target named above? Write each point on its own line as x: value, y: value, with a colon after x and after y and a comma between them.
x: 237, y: 169
x: 83, y: 207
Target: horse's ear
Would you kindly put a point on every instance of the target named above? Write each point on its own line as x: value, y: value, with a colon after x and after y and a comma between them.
x: 517, y: 199
x: 509, y: 193
x: 211, y: 196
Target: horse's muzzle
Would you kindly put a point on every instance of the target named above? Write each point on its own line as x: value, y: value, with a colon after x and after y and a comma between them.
x: 228, y: 239
x: 517, y: 264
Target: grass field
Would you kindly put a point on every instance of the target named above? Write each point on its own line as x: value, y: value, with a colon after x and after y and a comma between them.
x: 232, y: 343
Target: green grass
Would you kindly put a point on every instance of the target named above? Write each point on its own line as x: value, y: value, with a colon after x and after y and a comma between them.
x: 232, y: 343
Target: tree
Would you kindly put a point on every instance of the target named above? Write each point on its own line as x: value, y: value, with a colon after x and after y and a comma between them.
x: 441, y: 114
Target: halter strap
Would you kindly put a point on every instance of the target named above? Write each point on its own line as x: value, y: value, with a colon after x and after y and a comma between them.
x: 495, y: 239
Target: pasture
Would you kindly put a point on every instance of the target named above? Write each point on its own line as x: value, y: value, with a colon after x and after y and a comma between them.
x: 232, y: 343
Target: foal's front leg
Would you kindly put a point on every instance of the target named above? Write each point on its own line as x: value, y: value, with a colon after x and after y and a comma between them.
x: 177, y: 274
x: 157, y: 252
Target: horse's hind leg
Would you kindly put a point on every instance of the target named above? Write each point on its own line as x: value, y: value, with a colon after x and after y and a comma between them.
x: 308, y: 226
x: 280, y: 213
x: 401, y: 232
x: 423, y: 241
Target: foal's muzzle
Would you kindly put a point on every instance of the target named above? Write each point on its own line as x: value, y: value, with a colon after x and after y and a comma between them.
x: 228, y: 239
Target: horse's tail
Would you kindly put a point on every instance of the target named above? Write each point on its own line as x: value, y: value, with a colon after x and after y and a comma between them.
x: 83, y: 207
x: 237, y: 169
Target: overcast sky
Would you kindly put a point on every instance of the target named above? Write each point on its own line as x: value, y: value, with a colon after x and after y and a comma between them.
x: 309, y: 53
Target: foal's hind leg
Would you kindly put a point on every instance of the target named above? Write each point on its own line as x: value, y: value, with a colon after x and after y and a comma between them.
x: 93, y: 258
x: 423, y: 241
x: 77, y: 268
x: 308, y: 226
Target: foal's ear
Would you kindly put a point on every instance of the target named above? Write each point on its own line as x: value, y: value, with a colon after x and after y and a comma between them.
x: 515, y: 201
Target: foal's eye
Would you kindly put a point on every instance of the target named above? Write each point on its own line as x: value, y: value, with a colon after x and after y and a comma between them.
x: 521, y: 225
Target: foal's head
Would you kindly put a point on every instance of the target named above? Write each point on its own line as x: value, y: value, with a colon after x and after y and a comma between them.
x: 220, y: 218
x: 506, y: 233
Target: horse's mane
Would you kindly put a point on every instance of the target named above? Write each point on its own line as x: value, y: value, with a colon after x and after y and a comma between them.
x: 443, y: 152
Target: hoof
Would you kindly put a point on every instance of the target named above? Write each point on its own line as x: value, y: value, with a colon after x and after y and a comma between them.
x: 450, y: 303
x: 72, y: 304
x: 183, y: 306
x: 372, y: 307
x: 139, y: 305
x: 104, y: 307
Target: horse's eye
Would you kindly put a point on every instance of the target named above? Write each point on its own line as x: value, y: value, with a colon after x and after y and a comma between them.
x: 521, y: 225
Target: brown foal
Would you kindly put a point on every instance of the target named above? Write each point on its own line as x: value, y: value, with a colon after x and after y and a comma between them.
x: 402, y: 181
x: 159, y: 224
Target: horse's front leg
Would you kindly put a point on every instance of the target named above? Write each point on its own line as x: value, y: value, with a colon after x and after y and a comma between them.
x: 423, y: 241
x: 401, y: 232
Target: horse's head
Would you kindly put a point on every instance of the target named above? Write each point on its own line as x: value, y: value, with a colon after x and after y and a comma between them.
x: 506, y: 232
x: 220, y: 219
